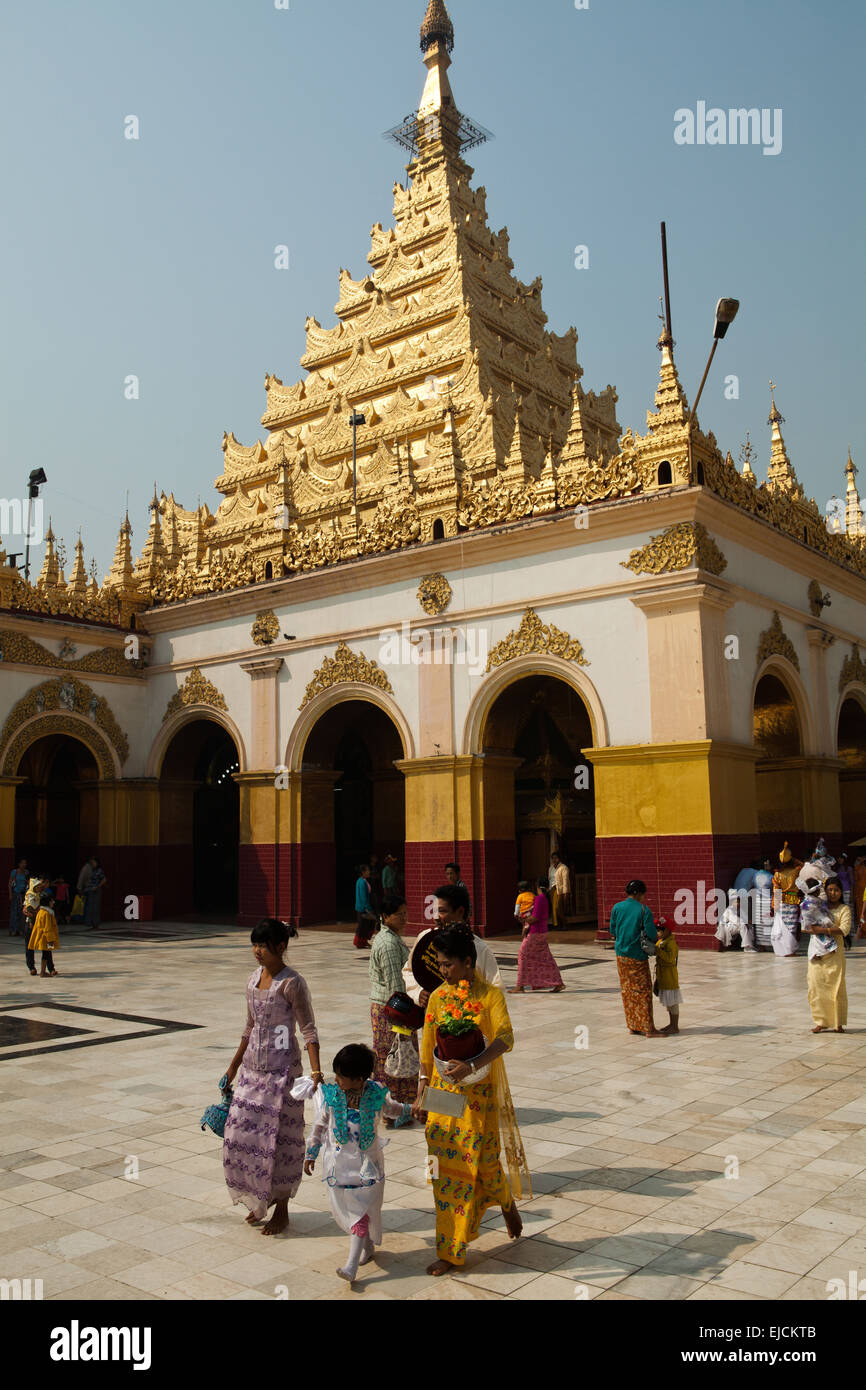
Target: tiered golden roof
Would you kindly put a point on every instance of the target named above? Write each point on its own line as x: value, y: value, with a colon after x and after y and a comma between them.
x: 474, y: 413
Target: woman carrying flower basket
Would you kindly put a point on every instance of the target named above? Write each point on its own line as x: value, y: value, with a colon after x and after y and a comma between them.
x: 466, y: 1033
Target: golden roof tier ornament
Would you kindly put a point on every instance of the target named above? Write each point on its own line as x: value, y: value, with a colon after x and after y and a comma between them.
x: 774, y: 641
x: 534, y: 637
x: 345, y: 666
x: 265, y: 629
x: 683, y: 546
x: 853, y: 669
x: 196, y: 690
x: 434, y: 594
x: 68, y: 697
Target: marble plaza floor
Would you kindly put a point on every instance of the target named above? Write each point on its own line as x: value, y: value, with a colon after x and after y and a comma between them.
x: 726, y: 1163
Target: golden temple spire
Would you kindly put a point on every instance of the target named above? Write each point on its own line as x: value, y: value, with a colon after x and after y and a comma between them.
x: 47, y: 580
x: 671, y: 404
x: 747, y: 453
x: 437, y: 44
x: 853, y: 509
x: 78, y: 575
x: 151, y: 562
x: 781, y: 477
x: 121, y: 574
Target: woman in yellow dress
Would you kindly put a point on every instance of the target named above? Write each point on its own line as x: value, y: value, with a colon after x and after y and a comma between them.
x: 828, y: 994
x: 464, y: 1151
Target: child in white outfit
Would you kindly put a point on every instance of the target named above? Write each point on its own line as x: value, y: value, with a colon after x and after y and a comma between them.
x: 346, y: 1128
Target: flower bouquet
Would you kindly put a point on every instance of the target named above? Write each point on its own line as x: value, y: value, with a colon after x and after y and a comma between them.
x: 458, y: 1037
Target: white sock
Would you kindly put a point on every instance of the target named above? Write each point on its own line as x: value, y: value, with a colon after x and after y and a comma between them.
x: 367, y: 1255
x: 350, y: 1269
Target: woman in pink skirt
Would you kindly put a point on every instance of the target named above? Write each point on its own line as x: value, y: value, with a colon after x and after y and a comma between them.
x: 536, y: 968
x: 263, y: 1144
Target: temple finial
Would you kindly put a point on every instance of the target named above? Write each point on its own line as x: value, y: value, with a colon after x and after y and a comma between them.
x: 437, y: 27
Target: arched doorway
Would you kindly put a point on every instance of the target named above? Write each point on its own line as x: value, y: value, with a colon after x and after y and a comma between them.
x: 199, y: 816
x: 56, y: 807
x: 777, y: 733
x: 851, y: 748
x: 542, y: 723
x: 353, y: 804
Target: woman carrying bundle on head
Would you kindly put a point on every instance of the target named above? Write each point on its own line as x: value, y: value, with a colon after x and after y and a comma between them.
x: 263, y: 1148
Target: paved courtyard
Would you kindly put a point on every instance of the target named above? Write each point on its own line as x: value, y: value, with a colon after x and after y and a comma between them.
x: 727, y: 1163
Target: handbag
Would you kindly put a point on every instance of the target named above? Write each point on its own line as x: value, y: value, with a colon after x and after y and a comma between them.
x: 402, y: 1060
x: 77, y: 906
x: 215, y: 1116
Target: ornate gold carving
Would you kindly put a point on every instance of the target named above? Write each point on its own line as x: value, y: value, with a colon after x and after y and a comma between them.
x: 680, y: 547
x: 196, y: 690
x: 775, y: 642
x: 346, y: 665
x: 64, y: 693
x: 853, y: 669
x: 108, y: 661
x: 534, y: 636
x: 434, y: 593
x: 818, y: 600
x: 60, y: 724
x: 265, y: 629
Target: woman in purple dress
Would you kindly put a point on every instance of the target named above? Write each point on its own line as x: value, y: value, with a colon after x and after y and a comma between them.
x: 536, y: 968
x: 263, y: 1148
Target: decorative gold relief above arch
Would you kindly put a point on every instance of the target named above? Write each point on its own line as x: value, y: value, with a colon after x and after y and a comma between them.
x: 535, y: 637
x: 69, y: 697
x: 93, y: 739
x: 196, y: 690
x: 265, y: 629
x: 684, y: 546
x: 106, y: 661
x: 346, y: 665
x: 434, y: 594
x: 853, y: 669
x: 775, y: 642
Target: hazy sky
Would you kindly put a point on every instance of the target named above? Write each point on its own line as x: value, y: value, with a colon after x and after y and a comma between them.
x: 261, y: 126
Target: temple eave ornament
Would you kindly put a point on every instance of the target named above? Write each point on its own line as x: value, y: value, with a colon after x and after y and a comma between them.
x: 686, y: 545
x: 196, y: 690
x: 775, y: 642
x: 346, y: 666
x: 20, y: 649
x: 534, y: 637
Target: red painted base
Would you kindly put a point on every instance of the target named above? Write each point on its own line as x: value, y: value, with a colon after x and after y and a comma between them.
x: 668, y: 863
x: 488, y: 868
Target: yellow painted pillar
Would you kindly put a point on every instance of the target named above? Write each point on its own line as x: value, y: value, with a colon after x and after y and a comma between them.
x: 679, y: 816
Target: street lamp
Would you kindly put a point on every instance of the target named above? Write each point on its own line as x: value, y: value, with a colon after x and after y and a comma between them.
x: 726, y: 312
x: 37, y: 478
x: 355, y: 419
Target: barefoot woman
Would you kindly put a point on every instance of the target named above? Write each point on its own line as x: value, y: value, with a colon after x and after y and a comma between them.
x: 263, y: 1149
x: 464, y: 1151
